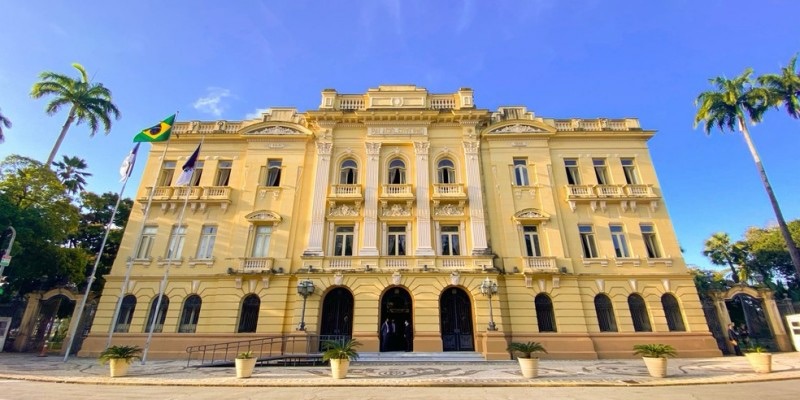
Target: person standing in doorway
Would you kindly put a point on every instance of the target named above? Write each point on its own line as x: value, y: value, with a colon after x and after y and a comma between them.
x: 385, y: 330
x: 407, y: 335
x: 733, y: 339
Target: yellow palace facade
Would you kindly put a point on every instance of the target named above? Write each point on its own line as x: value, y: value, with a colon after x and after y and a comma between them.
x: 410, y: 221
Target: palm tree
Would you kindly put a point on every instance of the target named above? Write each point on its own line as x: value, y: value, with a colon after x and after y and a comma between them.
x: 71, y: 172
x: 722, y: 252
x: 784, y: 89
x: 88, y: 102
x: 725, y: 107
x: 4, y: 122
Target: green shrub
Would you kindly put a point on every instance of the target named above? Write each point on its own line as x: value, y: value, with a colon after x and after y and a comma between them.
x: 654, y: 350
x: 525, y: 350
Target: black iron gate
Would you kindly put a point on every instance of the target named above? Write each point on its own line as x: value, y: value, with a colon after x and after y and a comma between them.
x: 337, y: 316
x: 712, y: 319
x: 395, y: 314
x: 748, y: 312
x: 455, y: 310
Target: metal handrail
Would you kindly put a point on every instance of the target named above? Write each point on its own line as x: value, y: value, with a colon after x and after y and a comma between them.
x: 262, y: 348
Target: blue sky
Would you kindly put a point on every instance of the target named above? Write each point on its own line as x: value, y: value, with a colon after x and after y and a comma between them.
x: 213, y: 60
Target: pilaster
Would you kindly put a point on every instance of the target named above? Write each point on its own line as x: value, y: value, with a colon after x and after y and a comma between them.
x: 369, y: 244
x: 320, y: 190
x: 475, y: 196
x: 424, y: 247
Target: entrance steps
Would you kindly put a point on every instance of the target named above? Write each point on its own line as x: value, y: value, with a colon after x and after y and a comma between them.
x: 419, y: 357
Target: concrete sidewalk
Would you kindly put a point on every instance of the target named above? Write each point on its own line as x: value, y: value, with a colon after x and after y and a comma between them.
x: 552, y: 373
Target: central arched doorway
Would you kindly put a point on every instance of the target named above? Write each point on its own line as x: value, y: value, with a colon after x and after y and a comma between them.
x: 455, y: 311
x: 396, y: 323
x: 337, y: 316
x: 747, y: 314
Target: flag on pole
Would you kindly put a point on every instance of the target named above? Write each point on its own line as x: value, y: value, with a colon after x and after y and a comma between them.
x: 127, y: 164
x: 188, y: 169
x: 158, y: 132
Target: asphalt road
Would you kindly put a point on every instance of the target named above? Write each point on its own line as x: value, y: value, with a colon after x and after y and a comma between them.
x: 22, y: 390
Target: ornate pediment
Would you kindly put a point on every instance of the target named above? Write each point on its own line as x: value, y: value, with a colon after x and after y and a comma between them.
x: 264, y: 216
x: 530, y: 214
x: 274, y: 130
x: 518, y: 128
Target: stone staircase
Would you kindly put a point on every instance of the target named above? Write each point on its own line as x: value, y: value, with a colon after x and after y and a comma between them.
x: 419, y: 357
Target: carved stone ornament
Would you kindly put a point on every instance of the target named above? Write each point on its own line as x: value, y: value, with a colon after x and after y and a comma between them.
x: 397, y: 210
x: 448, y: 210
x: 531, y: 214
x: 338, y: 279
x: 344, y: 210
x: 518, y: 128
x: 397, y: 131
x: 263, y: 216
x: 396, y: 277
x: 455, y: 278
x: 274, y: 130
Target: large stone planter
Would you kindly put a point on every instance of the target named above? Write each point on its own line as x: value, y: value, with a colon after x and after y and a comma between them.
x: 529, y: 367
x: 339, y: 368
x: 656, y: 366
x: 245, y: 367
x: 118, y: 367
x: 761, y: 362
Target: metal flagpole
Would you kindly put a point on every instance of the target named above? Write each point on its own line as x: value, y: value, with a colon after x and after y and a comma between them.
x: 163, y: 286
x: 127, y: 279
x: 76, y: 322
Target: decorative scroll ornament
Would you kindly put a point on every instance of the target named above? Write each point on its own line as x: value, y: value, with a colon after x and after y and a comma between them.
x: 344, y: 210
x: 397, y: 210
x: 448, y: 210
x: 274, y: 130
x: 263, y: 216
x: 518, y: 128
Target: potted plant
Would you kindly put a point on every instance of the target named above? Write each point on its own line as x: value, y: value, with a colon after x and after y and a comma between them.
x: 655, y: 357
x: 339, y: 353
x: 528, y: 364
x: 760, y: 359
x: 119, y: 358
x: 245, y: 364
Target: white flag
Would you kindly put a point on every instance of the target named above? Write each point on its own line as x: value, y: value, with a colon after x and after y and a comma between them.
x: 188, y: 169
x: 127, y: 164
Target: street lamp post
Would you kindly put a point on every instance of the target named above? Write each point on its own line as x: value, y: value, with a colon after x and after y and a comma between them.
x: 304, y: 288
x: 489, y: 289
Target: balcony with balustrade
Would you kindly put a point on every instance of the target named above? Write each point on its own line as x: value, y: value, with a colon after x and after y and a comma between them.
x: 449, y: 191
x: 196, y: 196
x: 402, y: 191
x: 599, y: 196
x: 346, y: 192
x: 540, y: 265
x: 255, y: 265
x: 402, y: 263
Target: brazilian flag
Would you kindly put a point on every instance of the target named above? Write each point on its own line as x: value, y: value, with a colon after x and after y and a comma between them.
x: 158, y: 132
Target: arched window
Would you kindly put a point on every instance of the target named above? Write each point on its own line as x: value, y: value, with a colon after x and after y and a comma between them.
x: 162, y: 314
x: 641, y: 321
x: 673, y: 313
x: 248, y: 318
x: 125, y: 314
x: 447, y: 171
x: 397, y: 172
x: 349, y: 173
x: 190, y: 314
x: 544, y: 313
x: 605, y: 313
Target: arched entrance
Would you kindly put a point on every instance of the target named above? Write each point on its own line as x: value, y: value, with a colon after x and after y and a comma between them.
x: 395, y: 312
x: 747, y: 314
x: 455, y: 311
x: 337, y: 315
x: 52, y: 323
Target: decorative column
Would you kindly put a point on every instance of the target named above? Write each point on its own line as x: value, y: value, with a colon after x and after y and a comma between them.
x: 369, y: 247
x: 475, y: 195
x: 423, y: 201
x: 320, y: 190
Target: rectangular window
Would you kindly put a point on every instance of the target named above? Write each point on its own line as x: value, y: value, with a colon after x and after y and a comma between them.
x: 176, y: 239
x: 573, y: 175
x: 148, y: 238
x: 531, y: 236
x: 450, y: 241
x: 167, y: 171
x: 207, y: 239
x: 261, y: 241
x: 343, y: 242
x: 223, y: 173
x: 600, y: 171
x: 587, y: 241
x: 273, y: 177
x: 650, y: 241
x: 196, y: 174
x: 629, y: 169
x: 620, y: 243
x: 521, y: 172
x: 396, y: 241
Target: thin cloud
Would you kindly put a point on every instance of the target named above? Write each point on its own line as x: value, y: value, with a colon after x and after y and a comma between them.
x: 212, y: 103
x: 466, y: 16
x: 256, y: 114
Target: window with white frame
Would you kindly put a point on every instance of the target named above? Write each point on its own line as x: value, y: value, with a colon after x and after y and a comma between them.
x: 190, y: 314
x: 261, y: 239
x: 177, y: 237
x: 521, y: 172
x: 273, y: 175
x: 223, y: 173
x: 397, y: 172
x: 587, y: 241
x: 619, y: 241
x: 146, y: 243
x: 197, y: 173
x: 167, y: 171
x: 396, y: 241
x: 206, y: 246
x: 530, y: 234
x: 573, y: 175
x: 651, y: 241
x: 449, y: 242
x: 349, y: 173
x: 343, y: 241
x: 629, y: 168
x: 600, y: 171
x: 446, y: 171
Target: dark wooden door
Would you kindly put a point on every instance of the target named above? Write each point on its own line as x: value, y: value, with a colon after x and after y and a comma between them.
x: 455, y: 310
x: 395, y: 312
